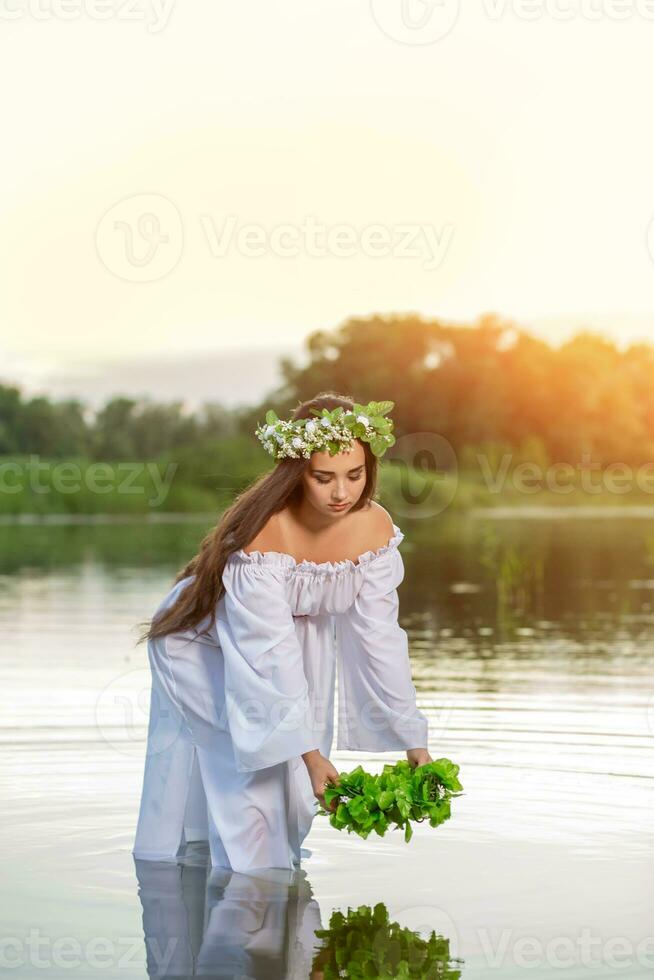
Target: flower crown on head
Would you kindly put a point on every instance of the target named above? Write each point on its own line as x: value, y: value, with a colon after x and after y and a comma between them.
x: 330, y: 432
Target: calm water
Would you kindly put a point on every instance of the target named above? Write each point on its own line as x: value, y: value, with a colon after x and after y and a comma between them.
x: 533, y: 650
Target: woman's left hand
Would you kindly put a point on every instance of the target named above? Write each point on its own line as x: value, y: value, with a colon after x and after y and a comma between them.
x: 418, y: 757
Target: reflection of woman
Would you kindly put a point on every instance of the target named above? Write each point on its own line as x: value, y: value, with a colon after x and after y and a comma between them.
x: 226, y: 924
x: 286, y: 593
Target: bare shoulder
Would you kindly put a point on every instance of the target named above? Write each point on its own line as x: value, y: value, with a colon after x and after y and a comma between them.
x: 268, y: 538
x: 367, y: 529
x: 376, y: 527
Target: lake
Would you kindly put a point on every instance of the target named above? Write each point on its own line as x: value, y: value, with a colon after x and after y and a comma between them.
x: 532, y: 641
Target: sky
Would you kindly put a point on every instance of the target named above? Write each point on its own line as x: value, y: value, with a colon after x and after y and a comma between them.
x: 190, y: 188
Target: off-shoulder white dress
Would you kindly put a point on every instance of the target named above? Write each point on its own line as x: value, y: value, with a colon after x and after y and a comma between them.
x: 232, y: 710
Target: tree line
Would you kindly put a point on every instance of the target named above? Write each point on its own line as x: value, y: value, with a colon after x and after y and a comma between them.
x: 487, y: 384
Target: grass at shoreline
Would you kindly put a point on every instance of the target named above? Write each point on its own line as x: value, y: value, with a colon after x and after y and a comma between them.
x: 78, y: 487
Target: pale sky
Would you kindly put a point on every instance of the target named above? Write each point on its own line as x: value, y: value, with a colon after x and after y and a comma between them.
x: 202, y: 177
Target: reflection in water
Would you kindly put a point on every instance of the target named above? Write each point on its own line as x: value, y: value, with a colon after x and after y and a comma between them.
x: 199, y: 921
x: 365, y: 943
x: 220, y: 923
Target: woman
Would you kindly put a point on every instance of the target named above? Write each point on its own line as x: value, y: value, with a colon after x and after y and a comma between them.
x: 297, y: 584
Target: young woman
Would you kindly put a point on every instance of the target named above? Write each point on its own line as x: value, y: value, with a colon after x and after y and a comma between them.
x: 295, y: 586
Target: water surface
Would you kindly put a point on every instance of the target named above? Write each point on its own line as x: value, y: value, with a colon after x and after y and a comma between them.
x: 532, y: 648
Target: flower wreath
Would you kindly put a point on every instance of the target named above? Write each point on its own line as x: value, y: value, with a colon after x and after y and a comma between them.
x: 330, y: 431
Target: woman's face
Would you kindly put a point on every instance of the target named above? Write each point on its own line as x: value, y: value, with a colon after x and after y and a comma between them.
x: 331, y: 480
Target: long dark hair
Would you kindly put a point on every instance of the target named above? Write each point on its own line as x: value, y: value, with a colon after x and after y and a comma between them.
x: 240, y: 524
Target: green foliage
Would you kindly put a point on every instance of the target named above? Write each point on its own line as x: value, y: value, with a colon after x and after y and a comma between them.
x: 364, y: 943
x: 123, y: 429
x: 488, y: 388
x: 202, y: 478
x: 498, y: 396
x: 490, y: 382
x: 396, y: 797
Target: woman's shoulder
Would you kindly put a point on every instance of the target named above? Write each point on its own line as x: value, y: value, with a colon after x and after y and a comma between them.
x: 268, y: 538
x: 379, y: 525
x: 364, y: 530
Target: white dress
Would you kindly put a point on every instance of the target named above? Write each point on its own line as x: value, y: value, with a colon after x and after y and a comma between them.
x: 232, y: 711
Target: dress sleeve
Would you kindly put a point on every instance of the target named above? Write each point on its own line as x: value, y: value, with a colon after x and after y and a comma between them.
x: 377, y: 708
x: 266, y: 689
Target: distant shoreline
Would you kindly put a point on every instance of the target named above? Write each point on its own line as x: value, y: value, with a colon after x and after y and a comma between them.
x: 69, y: 492
x: 518, y: 512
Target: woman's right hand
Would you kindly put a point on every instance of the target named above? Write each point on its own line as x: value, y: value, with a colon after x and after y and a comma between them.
x: 321, y: 772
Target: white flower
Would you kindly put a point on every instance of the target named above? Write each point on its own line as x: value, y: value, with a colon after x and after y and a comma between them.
x: 269, y: 430
x: 325, y: 422
x: 310, y: 426
x: 364, y: 419
x: 297, y: 442
x: 280, y: 438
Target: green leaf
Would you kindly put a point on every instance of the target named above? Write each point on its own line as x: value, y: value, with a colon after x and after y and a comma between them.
x: 378, y: 446
x: 331, y: 793
x: 447, y: 771
x: 358, y: 809
x: 386, y: 799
